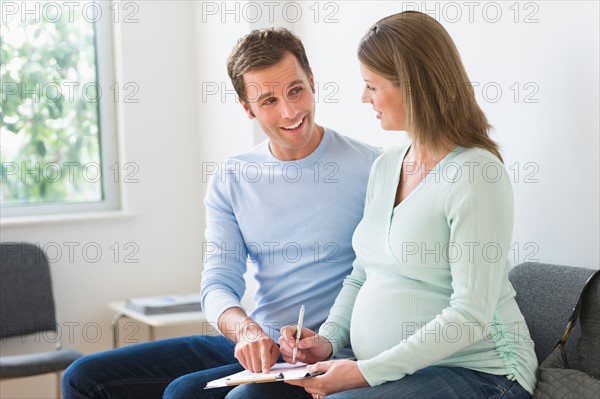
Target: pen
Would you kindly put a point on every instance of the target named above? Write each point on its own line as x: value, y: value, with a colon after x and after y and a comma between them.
x: 298, y: 333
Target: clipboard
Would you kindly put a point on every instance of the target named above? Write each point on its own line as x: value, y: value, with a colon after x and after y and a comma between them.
x: 279, y: 372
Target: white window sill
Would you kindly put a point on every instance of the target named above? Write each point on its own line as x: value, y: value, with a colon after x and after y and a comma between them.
x: 66, y: 218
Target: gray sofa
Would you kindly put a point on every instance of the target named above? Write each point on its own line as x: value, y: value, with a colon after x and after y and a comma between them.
x: 546, y: 295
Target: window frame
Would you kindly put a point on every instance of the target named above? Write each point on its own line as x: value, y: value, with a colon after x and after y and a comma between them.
x: 106, y: 36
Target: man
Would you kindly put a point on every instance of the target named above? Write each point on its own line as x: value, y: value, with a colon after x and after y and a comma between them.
x: 290, y: 205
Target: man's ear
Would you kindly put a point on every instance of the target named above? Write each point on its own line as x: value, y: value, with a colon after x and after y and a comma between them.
x: 311, y: 79
x: 247, y: 108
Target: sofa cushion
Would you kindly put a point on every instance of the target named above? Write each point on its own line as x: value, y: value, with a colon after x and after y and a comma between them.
x: 546, y: 295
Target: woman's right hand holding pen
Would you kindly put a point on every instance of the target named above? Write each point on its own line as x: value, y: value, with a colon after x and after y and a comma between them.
x: 312, y: 347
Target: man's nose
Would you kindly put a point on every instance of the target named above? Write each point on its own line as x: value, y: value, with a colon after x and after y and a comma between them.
x: 287, y: 109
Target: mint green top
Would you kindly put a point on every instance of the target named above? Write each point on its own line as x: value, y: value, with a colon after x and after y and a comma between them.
x: 430, y: 284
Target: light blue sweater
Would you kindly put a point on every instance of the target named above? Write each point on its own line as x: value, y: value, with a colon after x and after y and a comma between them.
x: 430, y: 281
x: 294, y: 219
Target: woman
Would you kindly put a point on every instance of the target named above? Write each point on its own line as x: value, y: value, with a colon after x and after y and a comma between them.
x: 428, y: 307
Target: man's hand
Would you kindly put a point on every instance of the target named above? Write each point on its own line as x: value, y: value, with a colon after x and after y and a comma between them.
x: 255, y: 350
x: 312, y: 347
x: 340, y: 375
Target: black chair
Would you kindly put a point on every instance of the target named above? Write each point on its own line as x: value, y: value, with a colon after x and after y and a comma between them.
x: 27, y: 307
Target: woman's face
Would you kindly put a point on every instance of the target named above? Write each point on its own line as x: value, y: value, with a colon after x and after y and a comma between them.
x: 387, y: 100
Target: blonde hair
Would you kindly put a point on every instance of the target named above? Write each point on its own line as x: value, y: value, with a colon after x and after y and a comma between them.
x: 416, y: 53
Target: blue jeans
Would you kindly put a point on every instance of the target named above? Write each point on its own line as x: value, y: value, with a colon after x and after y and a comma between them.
x: 181, y: 367
x: 172, y: 368
x: 444, y: 383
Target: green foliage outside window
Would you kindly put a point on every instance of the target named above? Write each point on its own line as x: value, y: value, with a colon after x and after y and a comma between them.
x: 49, y: 124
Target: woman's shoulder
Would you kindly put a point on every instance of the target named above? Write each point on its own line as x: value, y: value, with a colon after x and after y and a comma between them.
x: 475, y: 155
x: 388, y: 160
x: 477, y: 168
x: 392, y: 154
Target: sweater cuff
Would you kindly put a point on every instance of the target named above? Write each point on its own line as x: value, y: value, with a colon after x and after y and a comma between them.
x: 335, y: 339
x: 217, y: 302
x: 369, y: 371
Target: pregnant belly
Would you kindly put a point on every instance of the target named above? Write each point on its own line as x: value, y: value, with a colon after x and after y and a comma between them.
x: 387, y: 312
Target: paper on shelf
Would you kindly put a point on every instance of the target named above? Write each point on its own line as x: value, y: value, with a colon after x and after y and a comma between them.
x: 165, y: 304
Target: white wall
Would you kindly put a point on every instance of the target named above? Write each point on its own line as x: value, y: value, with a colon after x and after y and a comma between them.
x: 535, y: 69
x: 161, y: 135
x: 550, y: 147
x: 176, y: 53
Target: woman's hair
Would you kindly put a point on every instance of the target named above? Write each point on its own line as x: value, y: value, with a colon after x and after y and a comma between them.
x: 416, y: 53
x: 261, y: 49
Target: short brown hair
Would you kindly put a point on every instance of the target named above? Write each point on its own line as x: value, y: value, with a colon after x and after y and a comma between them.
x: 414, y: 51
x: 261, y: 49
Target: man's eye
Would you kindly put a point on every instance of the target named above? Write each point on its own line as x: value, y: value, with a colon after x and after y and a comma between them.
x: 295, y: 92
x: 268, y: 101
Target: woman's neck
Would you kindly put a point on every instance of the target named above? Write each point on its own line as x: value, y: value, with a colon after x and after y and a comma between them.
x: 422, y: 155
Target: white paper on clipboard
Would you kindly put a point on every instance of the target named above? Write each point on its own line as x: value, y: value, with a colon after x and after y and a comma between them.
x: 279, y: 372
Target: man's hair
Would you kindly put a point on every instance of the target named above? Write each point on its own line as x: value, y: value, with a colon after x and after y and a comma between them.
x: 261, y: 49
x: 416, y: 53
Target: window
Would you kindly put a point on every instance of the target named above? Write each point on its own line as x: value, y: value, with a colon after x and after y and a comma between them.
x: 58, y: 131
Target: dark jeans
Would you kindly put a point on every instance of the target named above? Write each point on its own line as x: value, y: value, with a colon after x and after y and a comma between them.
x: 172, y: 368
x: 438, y: 382
x: 181, y: 367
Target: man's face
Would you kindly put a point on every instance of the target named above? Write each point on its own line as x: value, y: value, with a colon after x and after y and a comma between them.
x: 281, y: 99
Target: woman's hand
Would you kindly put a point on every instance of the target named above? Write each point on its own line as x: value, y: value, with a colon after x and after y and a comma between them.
x: 340, y: 375
x: 312, y: 347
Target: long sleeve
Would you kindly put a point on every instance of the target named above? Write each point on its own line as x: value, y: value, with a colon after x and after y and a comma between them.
x: 430, y: 280
x: 337, y: 326
x: 479, y: 214
x: 225, y: 254
x: 293, y: 221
